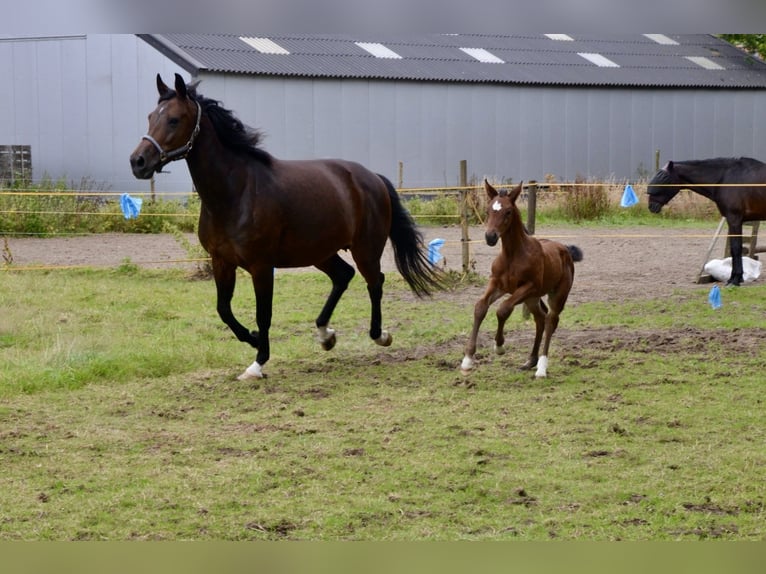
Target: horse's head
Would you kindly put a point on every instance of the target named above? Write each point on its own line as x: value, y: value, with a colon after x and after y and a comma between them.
x: 502, y: 213
x: 663, y: 187
x: 173, y: 127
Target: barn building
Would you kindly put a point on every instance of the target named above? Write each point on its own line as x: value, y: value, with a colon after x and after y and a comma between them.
x: 513, y: 106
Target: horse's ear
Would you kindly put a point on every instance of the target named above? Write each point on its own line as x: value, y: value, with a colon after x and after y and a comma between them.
x: 668, y: 166
x: 491, y: 191
x: 515, y: 192
x: 161, y: 87
x: 180, y: 86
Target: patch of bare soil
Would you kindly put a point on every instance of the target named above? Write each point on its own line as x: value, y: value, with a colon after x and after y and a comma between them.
x: 620, y: 263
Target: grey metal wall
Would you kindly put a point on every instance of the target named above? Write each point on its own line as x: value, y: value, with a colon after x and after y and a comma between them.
x: 81, y: 103
x: 503, y: 131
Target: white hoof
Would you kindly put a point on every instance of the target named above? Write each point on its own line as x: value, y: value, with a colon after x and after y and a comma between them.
x: 385, y: 339
x: 467, y: 364
x: 499, y: 349
x: 254, y: 371
x: 542, y: 367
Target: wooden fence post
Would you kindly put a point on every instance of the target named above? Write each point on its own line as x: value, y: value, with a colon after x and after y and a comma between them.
x: 531, y: 216
x: 531, y: 206
x: 464, y: 214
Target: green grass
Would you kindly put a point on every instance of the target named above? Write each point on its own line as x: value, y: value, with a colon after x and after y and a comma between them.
x: 121, y: 418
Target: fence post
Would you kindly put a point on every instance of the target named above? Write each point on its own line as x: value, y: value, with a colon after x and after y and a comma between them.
x: 531, y: 206
x: 464, y: 214
x: 657, y: 160
x: 401, y: 175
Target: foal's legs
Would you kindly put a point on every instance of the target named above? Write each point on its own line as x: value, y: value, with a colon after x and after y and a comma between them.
x: 491, y: 294
x: 504, y: 311
x: 340, y: 273
x: 556, y: 302
x: 539, y: 312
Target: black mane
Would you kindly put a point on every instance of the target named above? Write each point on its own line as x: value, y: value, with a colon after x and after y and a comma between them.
x: 233, y: 134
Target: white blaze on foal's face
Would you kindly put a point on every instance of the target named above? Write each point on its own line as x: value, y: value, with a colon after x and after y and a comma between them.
x: 496, y: 206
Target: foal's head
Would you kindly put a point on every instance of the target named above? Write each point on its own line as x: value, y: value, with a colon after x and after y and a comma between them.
x: 503, y: 215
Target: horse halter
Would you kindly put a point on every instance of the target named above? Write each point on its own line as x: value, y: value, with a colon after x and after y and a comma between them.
x: 180, y: 152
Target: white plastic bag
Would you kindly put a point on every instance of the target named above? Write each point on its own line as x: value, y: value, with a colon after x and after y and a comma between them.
x: 720, y: 269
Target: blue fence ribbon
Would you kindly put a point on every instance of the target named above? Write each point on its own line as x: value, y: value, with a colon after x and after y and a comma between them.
x: 714, y: 297
x: 628, y: 197
x: 131, y: 206
x: 434, y: 255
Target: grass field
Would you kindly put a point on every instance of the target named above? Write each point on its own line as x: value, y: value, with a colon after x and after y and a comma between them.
x: 121, y: 418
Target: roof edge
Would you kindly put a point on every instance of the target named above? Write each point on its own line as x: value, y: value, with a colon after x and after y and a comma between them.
x: 172, y: 51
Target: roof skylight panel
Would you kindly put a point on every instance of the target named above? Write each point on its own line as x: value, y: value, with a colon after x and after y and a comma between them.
x: 560, y: 37
x: 264, y: 45
x: 598, y: 59
x: 483, y: 55
x: 378, y: 50
x: 706, y: 63
x: 662, y: 39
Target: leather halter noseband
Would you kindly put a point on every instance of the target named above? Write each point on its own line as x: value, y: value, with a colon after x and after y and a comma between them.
x: 179, y: 152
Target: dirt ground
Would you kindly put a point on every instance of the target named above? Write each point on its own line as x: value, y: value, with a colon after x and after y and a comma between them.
x: 619, y: 263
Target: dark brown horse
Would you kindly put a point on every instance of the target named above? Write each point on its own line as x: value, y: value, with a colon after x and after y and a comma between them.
x: 527, y: 269
x: 259, y: 213
x: 737, y: 186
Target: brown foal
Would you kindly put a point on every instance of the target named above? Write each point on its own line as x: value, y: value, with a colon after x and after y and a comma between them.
x: 527, y: 269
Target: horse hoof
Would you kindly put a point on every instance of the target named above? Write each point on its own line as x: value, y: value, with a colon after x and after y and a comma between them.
x: 499, y: 349
x: 385, y: 339
x: 327, y: 338
x: 466, y: 366
x: 528, y: 366
x: 329, y: 343
x: 254, y: 371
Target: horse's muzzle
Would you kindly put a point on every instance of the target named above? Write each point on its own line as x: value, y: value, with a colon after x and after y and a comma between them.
x: 140, y: 167
x: 491, y: 238
x: 655, y: 207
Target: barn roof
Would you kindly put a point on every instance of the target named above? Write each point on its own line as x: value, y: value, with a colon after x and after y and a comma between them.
x: 625, y: 60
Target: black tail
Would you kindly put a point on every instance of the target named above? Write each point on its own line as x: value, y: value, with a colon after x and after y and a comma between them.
x: 409, y: 252
x: 575, y: 252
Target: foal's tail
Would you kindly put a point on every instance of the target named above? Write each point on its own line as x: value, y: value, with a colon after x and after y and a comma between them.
x: 575, y: 252
x: 409, y: 252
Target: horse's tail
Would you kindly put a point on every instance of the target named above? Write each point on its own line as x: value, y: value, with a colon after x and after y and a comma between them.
x: 409, y: 252
x: 575, y: 252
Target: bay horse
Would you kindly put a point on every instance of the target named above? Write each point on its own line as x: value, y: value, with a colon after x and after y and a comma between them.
x: 259, y: 213
x: 720, y: 180
x: 527, y: 269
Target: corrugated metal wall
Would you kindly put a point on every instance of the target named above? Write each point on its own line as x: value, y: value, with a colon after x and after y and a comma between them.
x: 81, y: 104
x: 503, y: 131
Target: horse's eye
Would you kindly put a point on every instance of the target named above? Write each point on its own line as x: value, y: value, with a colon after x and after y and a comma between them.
x: 173, y: 122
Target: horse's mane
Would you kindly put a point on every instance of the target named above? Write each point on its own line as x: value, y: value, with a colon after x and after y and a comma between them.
x: 724, y: 162
x: 233, y: 134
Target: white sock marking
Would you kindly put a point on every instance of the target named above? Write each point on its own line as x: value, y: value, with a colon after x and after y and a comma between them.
x: 542, y: 367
